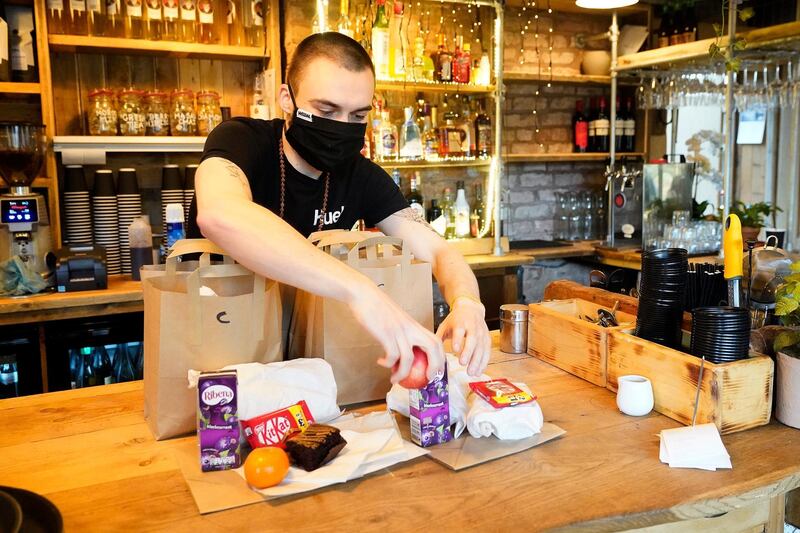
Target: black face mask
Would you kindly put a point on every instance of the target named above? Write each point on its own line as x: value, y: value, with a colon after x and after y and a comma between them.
x: 324, y: 143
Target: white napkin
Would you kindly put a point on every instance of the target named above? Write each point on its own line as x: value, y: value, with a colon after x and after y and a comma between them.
x: 458, y: 386
x: 264, y: 388
x: 373, y: 443
x: 694, y: 447
x: 508, y: 423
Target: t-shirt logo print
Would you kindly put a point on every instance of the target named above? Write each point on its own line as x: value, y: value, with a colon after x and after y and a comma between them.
x: 330, y: 218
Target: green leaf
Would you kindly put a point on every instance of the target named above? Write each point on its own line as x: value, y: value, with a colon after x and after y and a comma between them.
x: 785, y: 306
x: 792, y: 278
x: 796, y: 267
x: 740, y: 44
x: 732, y: 65
x: 713, y: 49
x: 746, y: 14
x: 717, y: 29
x: 786, y: 339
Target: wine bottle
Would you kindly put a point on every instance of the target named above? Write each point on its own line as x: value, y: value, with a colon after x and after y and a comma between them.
x: 601, y: 127
x: 415, y: 200
x: 580, y: 129
x: 380, y: 42
x: 629, y: 126
x: 619, y: 128
x: 592, y: 129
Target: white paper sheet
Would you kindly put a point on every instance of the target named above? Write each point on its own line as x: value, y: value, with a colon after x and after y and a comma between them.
x: 694, y: 447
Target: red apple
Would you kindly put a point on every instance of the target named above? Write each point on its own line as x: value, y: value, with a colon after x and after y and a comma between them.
x: 417, y: 377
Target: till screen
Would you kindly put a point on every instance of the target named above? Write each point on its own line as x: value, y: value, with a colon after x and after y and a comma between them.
x: 18, y: 211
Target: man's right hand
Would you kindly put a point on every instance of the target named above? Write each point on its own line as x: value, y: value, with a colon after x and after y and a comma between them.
x: 396, y: 331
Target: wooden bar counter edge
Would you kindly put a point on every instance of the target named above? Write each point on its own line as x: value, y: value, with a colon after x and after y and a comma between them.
x: 90, y: 452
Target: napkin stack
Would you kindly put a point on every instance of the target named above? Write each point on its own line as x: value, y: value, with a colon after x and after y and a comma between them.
x: 694, y: 447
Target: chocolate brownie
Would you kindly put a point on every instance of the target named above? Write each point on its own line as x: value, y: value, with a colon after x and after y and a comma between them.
x: 315, y: 446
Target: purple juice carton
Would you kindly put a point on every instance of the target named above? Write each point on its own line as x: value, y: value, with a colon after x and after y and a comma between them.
x: 218, y: 421
x: 430, y: 412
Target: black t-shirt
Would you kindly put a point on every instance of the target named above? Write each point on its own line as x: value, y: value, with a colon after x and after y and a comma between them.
x: 362, y: 189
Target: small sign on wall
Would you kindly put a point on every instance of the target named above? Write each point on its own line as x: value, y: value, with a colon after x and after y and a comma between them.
x: 751, y: 126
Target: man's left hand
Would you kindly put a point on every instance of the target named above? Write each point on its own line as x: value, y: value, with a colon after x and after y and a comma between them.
x: 466, y: 328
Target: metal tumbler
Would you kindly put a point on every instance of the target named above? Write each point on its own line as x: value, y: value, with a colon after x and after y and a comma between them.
x: 514, y: 328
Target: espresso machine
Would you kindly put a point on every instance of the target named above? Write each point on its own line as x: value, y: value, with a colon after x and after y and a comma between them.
x: 24, y: 221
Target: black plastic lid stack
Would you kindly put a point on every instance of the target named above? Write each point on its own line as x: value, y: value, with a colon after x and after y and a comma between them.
x: 721, y: 334
x: 661, y: 296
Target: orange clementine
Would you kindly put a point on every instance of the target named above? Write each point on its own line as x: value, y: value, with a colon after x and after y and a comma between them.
x: 266, y: 467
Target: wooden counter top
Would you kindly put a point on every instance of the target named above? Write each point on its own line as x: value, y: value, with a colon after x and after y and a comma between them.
x: 511, y: 259
x: 90, y: 452
x: 577, y: 249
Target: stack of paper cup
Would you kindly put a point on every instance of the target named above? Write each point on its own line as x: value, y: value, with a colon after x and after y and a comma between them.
x: 129, y: 205
x: 188, y: 190
x: 77, y: 209
x: 105, y: 213
x: 171, y: 193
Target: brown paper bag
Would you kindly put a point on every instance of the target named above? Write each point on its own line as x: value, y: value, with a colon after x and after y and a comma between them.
x: 184, y: 329
x: 326, y: 328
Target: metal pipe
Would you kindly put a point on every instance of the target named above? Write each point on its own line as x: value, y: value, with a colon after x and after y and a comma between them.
x: 496, y: 170
x: 771, y: 166
x: 727, y: 180
x: 613, y: 34
x: 794, y: 182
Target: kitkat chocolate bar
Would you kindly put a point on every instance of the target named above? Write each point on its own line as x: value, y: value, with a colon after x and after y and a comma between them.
x: 272, y: 428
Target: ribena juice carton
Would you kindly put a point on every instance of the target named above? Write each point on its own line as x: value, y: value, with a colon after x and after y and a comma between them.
x: 430, y: 412
x: 218, y: 421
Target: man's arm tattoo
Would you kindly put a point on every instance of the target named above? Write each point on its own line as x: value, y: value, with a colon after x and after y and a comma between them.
x: 411, y: 214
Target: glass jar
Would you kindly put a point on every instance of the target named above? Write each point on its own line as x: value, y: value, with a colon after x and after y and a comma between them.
x: 209, y: 114
x: 102, y: 112
x: 183, y: 118
x: 131, y: 112
x: 156, y: 121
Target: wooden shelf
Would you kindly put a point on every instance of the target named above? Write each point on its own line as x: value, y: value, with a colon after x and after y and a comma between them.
x: 392, y: 85
x: 128, y: 144
x: 759, y: 38
x: 82, y: 43
x: 577, y: 79
x: 566, y: 157
x: 12, y: 87
x: 435, y: 164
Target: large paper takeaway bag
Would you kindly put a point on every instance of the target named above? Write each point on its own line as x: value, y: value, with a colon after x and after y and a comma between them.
x: 203, y: 316
x: 327, y: 328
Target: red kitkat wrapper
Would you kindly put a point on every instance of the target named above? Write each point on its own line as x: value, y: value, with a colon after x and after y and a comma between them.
x: 501, y: 393
x: 272, y: 428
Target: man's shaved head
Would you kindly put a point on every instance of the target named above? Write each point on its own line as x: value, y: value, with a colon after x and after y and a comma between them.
x: 335, y: 47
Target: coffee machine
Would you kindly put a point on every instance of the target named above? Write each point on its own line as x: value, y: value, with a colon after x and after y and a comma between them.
x: 24, y: 221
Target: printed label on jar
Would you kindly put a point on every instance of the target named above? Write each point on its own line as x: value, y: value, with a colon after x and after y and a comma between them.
x: 131, y: 123
x: 185, y: 122
x: 77, y: 5
x: 156, y: 122
x: 257, y: 7
x: 55, y: 5
x: 231, y: 11
x: 170, y: 9
x: 207, y: 121
x: 106, y: 120
x: 205, y: 11
x: 94, y: 6
x: 153, y: 9
x: 134, y: 8
x: 188, y: 10
x: 112, y: 7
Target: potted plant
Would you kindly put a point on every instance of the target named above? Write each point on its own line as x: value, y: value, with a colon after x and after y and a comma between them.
x: 752, y: 217
x: 787, y: 350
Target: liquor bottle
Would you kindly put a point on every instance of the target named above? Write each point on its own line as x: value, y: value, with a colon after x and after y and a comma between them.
x: 343, y: 24
x: 410, y: 137
x: 415, y: 200
x: 418, y: 61
x: 689, y: 24
x: 483, y: 134
x: 56, y: 17
x: 601, y: 127
x: 387, y: 136
x: 485, y: 77
x: 450, y: 138
x: 467, y: 126
x: 444, y: 62
x: 619, y: 128
x: 463, y: 62
x: 171, y: 20
x: 676, y: 27
x: 629, y: 127
x: 101, y: 365
x: 5, y: 64
x: 233, y: 22
x: 461, y: 211
x: 448, y: 218
x: 477, y: 217
x: 253, y: 18
x: 580, y: 129
x: 123, y: 366
x: 96, y: 17
x: 115, y: 22
x: 397, y: 179
x: 186, y: 26
x: 21, y: 68
x: 77, y: 17
x: 591, y: 143
x: 430, y: 138
x: 664, y: 29
x: 134, y: 23
x: 153, y: 20
x: 9, y: 379
x: 434, y: 211
x: 380, y: 42
x: 423, y: 110
x: 206, y: 27
x: 398, y: 45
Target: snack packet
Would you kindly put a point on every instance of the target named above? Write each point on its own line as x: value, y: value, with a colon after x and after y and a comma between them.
x: 271, y: 429
x: 501, y: 393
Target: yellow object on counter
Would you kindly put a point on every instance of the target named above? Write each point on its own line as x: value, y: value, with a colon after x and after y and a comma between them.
x: 733, y: 247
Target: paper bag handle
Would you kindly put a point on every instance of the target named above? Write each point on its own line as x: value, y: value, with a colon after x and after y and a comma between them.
x: 204, y: 247
x: 193, y: 284
x: 371, y: 246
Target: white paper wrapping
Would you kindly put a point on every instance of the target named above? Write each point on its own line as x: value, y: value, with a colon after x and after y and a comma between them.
x: 508, y: 423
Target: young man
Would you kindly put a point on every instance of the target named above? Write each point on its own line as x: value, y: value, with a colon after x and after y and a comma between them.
x: 264, y: 186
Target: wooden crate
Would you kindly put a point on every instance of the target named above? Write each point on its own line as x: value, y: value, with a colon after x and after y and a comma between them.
x: 734, y: 396
x: 558, y: 334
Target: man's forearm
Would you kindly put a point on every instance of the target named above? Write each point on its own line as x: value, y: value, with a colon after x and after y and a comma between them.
x: 454, y: 276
